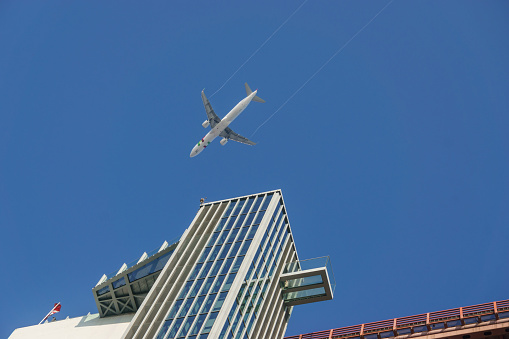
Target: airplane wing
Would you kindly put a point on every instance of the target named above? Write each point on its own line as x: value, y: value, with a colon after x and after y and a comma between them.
x: 211, y: 115
x: 229, y: 134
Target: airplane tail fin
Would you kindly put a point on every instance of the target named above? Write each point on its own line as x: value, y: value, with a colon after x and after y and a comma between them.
x: 249, y: 91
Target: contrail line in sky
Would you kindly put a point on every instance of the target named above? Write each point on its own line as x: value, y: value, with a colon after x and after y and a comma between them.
x: 319, y: 69
x: 259, y: 48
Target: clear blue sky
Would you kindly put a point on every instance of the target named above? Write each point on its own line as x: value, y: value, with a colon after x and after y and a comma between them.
x: 394, y: 160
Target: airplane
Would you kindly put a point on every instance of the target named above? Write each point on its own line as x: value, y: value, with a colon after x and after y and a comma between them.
x: 220, y: 127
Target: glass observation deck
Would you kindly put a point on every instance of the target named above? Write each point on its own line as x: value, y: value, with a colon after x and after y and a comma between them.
x: 307, y: 281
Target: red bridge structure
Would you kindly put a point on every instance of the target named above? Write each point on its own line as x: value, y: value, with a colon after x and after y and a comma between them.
x: 487, y: 321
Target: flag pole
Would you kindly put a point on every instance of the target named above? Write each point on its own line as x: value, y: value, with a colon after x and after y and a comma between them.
x: 49, y: 313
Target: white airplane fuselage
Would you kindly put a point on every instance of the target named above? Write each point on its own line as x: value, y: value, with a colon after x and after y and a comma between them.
x: 220, y: 127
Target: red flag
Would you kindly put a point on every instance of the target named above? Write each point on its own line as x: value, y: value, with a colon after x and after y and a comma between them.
x: 54, y: 310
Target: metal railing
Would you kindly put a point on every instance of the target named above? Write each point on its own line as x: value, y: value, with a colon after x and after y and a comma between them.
x: 416, y: 323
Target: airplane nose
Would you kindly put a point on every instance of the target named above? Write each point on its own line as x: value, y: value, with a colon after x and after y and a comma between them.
x: 194, y: 151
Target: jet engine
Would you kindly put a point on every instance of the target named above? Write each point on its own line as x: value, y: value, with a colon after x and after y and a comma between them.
x: 205, y: 124
x: 223, y: 141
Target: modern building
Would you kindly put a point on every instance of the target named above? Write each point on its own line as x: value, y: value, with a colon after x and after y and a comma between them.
x: 234, y: 273
x: 483, y: 321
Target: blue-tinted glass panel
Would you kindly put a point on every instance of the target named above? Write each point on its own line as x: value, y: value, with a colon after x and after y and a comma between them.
x: 215, y: 269
x: 312, y: 292
x: 265, y: 286
x: 217, y: 284
x: 229, y: 224
x: 206, y: 285
x: 235, y: 322
x: 239, y: 207
x: 162, y: 260
x: 259, y: 218
x: 222, y: 335
x: 257, y: 203
x: 280, y: 232
x: 197, y: 325
x: 258, y: 269
x: 208, y: 303
x: 222, y: 238
x: 232, y: 312
x: 248, y: 205
x: 250, y: 218
x: 186, y: 326
x: 243, y: 232
x: 264, y: 272
x: 258, y: 303
x: 210, y: 321
x: 228, y: 283
x: 272, y: 236
x: 195, y: 271
x: 206, y: 269
x: 240, y: 220
x: 241, y: 291
x: 233, y: 234
x: 221, y: 224
x: 236, y: 266
x: 230, y: 208
x: 272, y: 268
x: 235, y: 249
x: 119, y: 283
x: 266, y: 250
x: 250, y: 325
x: 227, y: 265
x: 285, y: 235
x: 219, y: 301
x: 205, y: 254
x: 280, y: 217
x: 266, y: 202
x: 245, y: 247
x: 215, y: 252
x: 252, y: 232
x: 163, y: 330
x: 175, y: 328
x: 174, y: 309
x: 240, y: 331
x: 103, y: 290
x: 278, y: 253
x: 185, y: 308
x: 196, y: 306
x: 196, y: 288
x: 186, y: 289
x: 213, y: 238
x: 248, y: 311
x: 224, y: 252
x: 249, y: 272
x: 151, y: 267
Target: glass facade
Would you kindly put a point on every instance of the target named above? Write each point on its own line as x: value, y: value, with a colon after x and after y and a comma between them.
x: 208, y: 284
x: 152, y: 267
x: 233, y: 274
x: 252, y: 293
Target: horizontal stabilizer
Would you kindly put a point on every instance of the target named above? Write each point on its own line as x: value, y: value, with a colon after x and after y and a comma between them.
x: 249, y: 91
x: 258, y: 99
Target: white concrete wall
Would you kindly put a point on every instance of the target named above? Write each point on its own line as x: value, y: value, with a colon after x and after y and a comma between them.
x: 86, y: 327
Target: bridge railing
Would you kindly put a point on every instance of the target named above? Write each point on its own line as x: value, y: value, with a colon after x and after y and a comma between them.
x: 415, y: 323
